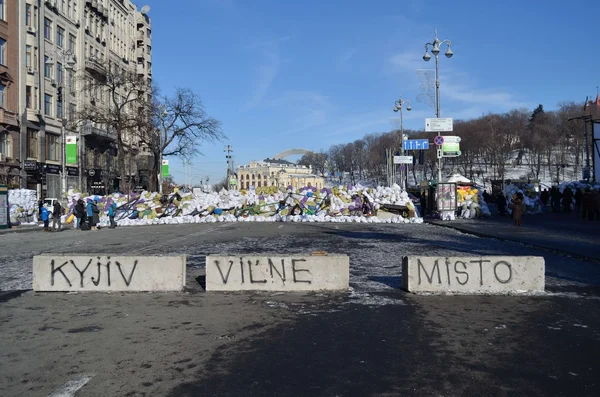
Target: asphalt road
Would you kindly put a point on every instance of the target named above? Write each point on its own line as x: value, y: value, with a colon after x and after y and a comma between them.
x: 374, y: 340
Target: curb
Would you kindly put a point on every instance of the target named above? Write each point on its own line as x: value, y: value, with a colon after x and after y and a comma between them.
x: 499, y: 238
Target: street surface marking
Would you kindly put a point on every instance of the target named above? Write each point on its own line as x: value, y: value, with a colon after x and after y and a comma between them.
x: 279, y: 227
x: 337, y: 227
x: 71, y: 387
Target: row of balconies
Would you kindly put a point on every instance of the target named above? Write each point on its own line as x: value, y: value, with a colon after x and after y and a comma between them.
x: 98, y: 7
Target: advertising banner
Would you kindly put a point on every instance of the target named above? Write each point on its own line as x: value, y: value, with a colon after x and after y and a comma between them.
x: 71, y: 149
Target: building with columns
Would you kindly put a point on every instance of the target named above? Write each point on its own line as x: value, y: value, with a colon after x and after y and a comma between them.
x: 276, y: 172
x: 61, y: 41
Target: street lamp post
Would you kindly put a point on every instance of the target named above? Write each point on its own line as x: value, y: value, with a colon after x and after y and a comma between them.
x: 435, y: 50
x: 399, y: 106
x: 70, y: 65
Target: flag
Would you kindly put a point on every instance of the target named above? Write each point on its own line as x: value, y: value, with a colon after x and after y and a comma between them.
x: 585, y: 104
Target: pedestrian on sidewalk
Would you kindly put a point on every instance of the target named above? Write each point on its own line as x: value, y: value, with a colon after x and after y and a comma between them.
x: 90, y: 213
x: 545, y: 196
x: 56, y: 216
x: 80, y: 213
x: 95, y: 215
x: 501, y: 204
x: 567, y: 199
x: 112, y: 210
x: 555, y: 197
x: 588, y: 205
x: 578, y: 199
x: 45, y: 215
x: 517, y: 209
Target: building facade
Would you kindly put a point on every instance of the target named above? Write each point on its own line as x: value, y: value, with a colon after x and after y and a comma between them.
x: 10, y: 158
x: 63, y: 42
x: 279, y: 173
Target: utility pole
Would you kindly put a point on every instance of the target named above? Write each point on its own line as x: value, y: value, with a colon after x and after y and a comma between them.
x: 399, y: 105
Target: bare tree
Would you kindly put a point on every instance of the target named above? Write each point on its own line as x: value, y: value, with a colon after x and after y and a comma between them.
x: 180, y: 125
x: 118, y: 98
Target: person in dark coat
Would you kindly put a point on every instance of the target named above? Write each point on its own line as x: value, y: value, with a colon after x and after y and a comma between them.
x: 57, y: 216
x: 588, y: 205
x: 567, y: 199
x: 555, y: 197
x: 545, y: 196
x: 95, y: 215
x: 90, y: 213
x: 501, y: 204
x: 80, y: 213
x: 578, y: 199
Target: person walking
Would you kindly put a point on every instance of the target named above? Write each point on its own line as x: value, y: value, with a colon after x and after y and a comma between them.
x: 112, y: 210
x: 95, y: 215
x: 501, y: 204
x: 80, y: 213
x: 517, y: 209
x: 57, y: 217
x: 587, y: 208
x: 90, y: 213
x: 45, y: 215
x: 578, y: 199
x: 567, y: 199
x: 555, y: 197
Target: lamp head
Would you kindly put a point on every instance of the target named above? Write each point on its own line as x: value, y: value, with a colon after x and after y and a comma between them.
x: 426, y: 57
x: 408, y: 108
x: 436, y: 47
x: 449, y: 53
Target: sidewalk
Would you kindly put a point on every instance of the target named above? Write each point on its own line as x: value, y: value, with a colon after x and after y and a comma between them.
x: 566, y: 233
x: 21, y: 229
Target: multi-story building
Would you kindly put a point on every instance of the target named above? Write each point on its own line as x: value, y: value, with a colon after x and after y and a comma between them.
x: 274, y: 172
x: 9, y: 75
x: 64, y: 42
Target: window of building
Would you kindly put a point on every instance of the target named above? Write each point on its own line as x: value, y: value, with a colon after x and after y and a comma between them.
x: 28, y: 98
x: 5, y: 143
x: 32, y: 143
x: 3, y: 10
x: 28, y: 14
x: 47, y: 68
x: 60, y: 36
x: 71, y: 110
x: 59, y: 109
x: 35, y: 58
x: 28, y: 56
x: 47, y: 29
x: 52, y: 147
x: 63, y: 6
x: 72, y: 43
x: 47, y: 104
x: 2, y: 96
x: 59, y: 73
x: 69, y: 9
x: 2, y: 52
x: 34, y: 22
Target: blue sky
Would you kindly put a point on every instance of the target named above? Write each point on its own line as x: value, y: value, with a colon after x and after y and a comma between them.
x: 309, y: 74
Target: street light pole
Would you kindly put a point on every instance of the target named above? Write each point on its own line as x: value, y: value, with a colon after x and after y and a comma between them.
x: 435, y: 50
x: 399, y: 106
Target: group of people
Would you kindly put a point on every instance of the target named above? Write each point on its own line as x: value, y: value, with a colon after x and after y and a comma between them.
x: 87, y: 215
x: 587, y: 201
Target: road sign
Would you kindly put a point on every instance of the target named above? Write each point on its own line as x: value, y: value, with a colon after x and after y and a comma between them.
x: 451, y: 139
x: 439, y: 140
x: 438, y: 125
x: 451, y: 146
x: 415, y: 144
x: 403, y: 159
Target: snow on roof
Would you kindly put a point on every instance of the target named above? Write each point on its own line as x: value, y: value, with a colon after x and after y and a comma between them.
x: 458, y: 178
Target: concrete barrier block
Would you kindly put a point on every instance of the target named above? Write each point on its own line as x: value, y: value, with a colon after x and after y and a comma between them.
x: 473, y: 275
x: 89, y: 272
x: 277, y: 273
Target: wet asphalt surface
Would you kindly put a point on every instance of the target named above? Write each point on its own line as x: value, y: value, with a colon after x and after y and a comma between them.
x: 375, y: 340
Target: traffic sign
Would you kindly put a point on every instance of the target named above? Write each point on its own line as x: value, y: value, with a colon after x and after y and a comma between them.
x: 439, y: 140
x: 403, y: 159
x: 415, y: 144
x: 439, y: 125
x: 451, y: 139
